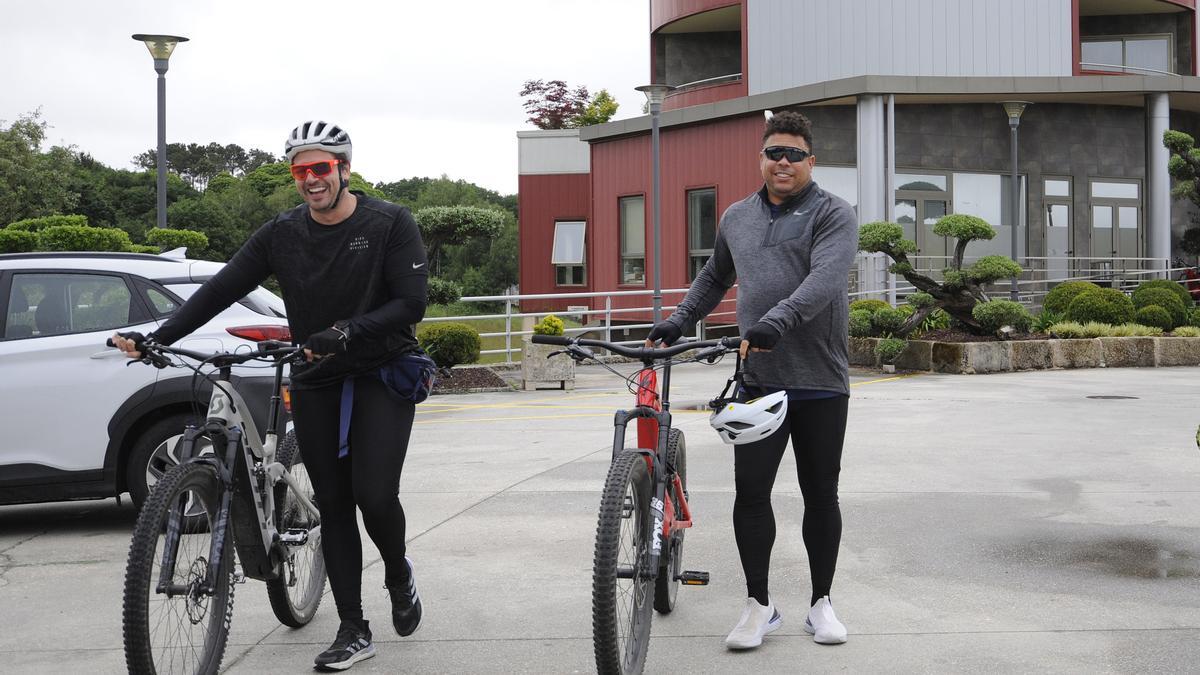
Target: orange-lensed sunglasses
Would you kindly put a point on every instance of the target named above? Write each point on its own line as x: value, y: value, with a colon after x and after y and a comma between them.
x: 318, y: 169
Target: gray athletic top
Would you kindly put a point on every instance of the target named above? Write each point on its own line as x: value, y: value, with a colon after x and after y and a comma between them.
x: 793, y: 273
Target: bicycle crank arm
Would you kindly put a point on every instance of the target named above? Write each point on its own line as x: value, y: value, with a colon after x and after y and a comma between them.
x: 692, y: 578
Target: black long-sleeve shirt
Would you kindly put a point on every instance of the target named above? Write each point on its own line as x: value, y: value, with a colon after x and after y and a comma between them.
x: 369, y: 269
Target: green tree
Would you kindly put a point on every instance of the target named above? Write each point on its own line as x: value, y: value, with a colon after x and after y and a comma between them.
x: 961, y: 288
x: 445, y: 225
x: 32, y: 182
x: 599, y: 110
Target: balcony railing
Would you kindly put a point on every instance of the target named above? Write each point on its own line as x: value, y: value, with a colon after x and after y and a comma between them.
x: 1114, y: 68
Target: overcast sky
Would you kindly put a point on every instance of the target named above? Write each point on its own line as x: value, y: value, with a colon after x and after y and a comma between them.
x: 424, y: 88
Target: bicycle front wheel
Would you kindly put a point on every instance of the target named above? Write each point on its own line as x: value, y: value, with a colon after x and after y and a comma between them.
x: 296, y: 593
x: 622, y: 583
x: 174, y: 623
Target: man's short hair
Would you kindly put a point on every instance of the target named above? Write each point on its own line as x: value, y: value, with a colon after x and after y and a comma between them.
x: 791, y: 123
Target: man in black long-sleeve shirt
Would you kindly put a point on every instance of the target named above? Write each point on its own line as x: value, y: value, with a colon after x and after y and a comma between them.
x: 353, y: 273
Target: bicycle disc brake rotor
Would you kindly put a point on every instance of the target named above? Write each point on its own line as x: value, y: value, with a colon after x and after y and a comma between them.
x: 197, y: 599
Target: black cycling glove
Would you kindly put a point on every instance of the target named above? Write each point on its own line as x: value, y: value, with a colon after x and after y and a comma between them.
x: 762, y: 335
x: 665, y: 331
x: 332, y: 340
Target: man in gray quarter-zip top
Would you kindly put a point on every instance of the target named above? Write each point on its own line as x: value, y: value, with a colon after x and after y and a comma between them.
x: 789, y: 247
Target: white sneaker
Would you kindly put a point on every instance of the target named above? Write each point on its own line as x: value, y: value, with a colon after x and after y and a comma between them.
x: 823, y: 624
x: 756, y: 622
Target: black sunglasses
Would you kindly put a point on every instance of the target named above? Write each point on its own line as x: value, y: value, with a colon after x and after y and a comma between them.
x: 794, y: 155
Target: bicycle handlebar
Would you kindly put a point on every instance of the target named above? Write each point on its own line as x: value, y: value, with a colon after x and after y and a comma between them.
x: 152, y: 353
x: 640, y: 353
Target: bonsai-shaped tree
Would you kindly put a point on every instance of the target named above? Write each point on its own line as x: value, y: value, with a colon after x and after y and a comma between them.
x: 960, y: 288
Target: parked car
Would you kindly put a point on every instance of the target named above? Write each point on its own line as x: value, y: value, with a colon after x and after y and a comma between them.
x: 80, y: 420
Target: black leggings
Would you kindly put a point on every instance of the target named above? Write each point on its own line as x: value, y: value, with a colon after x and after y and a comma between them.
x: 368, y: 477
x: 817, y: 428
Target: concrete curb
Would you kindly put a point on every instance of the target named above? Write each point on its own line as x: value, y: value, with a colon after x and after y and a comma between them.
x: 976, y: 358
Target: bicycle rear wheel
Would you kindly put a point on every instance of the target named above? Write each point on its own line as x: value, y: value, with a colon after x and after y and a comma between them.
x: 670, y: 563
x: 622, y: 592
x: 185, y: 628
x: 297, y: 592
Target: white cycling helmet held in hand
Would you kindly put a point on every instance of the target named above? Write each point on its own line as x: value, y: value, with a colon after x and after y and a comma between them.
x: 754, y: 420
x: 318, y: 135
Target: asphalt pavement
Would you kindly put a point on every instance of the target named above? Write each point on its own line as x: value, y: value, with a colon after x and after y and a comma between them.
x: 1025, y: 522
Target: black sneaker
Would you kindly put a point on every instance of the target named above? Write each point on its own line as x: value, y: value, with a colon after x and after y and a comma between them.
x: 406, y: 604
x: 353, y: 644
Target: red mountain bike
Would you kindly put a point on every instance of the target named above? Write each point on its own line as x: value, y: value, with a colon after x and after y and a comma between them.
x: 643, y: 510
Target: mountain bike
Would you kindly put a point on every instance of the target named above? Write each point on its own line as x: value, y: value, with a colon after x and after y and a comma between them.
x: 644, y: 511
x: 232, y: 493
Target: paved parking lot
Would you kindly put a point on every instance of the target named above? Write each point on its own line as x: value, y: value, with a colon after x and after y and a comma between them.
x: 1000, y: 523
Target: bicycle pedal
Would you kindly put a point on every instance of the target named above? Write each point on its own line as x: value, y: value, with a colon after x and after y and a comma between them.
x: 693, y: 578
x: 239, y: 577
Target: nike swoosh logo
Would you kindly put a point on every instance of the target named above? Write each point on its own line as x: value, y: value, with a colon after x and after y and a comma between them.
x: 417, y: 266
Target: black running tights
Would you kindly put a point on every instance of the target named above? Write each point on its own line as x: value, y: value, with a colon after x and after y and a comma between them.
x: 817, y: 428
x: 369, y: 478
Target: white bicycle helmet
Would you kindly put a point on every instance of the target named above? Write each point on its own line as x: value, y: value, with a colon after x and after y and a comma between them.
x: 318, y: 135
x: 754, y: 420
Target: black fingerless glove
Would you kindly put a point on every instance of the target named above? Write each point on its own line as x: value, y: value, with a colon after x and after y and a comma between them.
x: 139, y: 340
x: 332, y: 340
x: 762, y: 336
x: 665, y: 331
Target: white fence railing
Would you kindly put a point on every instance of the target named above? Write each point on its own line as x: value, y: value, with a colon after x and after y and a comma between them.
x: 869, y: 277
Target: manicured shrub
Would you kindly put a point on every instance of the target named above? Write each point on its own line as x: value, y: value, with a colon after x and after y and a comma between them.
x: 889, y: 349
x: 450, y: 344
x: 1153, y: 315
x: 869, y: 305
x: 1061, y: 295
x: 1194, y: 317
x: 549, y: 325
x: 81, y: 238
x: 143, y: 248
x: 1095, y: 329
x: 39, y: 224
x: 996, y: 314
x: 1105, y: 305
x: 17, y: 241
x: 1175, y: 287
x: 888, y: 321
x: 860, y: 323
x: 1164, y: 298
x: 1186, y: 331
x: 171, y: 239
x: 443, y: 291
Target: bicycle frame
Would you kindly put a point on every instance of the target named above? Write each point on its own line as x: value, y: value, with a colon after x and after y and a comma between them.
x: 245, y: 463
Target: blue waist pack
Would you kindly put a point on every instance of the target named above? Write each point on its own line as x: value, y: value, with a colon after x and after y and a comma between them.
x: 411, y: 376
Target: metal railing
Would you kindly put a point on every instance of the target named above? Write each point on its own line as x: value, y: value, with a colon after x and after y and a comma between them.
x: 1114, y: 68
x: 868, y: 278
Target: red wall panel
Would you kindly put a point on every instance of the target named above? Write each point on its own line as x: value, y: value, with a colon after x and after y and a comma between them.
x: 709, y: 94
x: 663, y: 12
x: 542, y: 200
x: 721, y: 155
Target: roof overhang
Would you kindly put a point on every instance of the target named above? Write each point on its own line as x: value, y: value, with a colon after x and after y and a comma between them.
x: 1125, y: 90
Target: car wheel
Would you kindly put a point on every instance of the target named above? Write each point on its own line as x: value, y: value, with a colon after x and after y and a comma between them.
x: 155, y: 453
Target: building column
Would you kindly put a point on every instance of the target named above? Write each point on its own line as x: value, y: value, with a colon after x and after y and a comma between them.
x: 872, y: 151
x: 1158, y: 181
x: 871, y: 154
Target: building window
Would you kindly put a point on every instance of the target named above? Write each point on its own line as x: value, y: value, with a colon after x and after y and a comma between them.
x: 1137, y: 54
x: 838, y: 180
x: 633, y: 240
x: 568, y: 253
x: 702, y: 228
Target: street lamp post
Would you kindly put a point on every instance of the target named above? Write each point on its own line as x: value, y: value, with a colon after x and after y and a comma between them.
x: 160, y: 47
x: 1014, y: 109
x: 655, y: 93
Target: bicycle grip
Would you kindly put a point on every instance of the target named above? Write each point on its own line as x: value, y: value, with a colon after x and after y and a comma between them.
x: 560, y: 340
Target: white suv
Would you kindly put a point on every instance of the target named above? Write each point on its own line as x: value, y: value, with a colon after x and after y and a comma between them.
x: 80, y: 420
